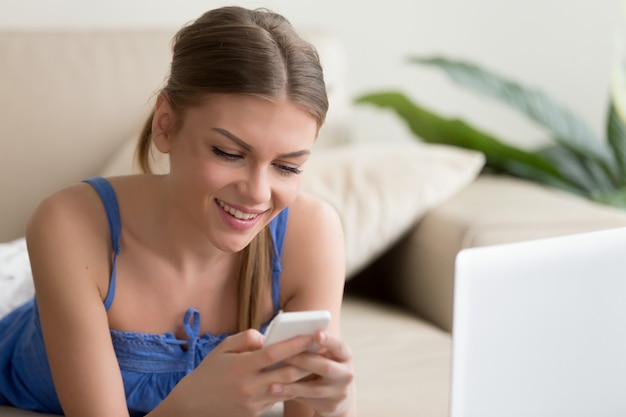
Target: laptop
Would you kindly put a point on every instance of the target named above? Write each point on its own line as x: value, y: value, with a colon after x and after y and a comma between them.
x: 540, y: 328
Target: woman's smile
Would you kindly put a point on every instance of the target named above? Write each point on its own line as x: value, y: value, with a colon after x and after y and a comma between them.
x: 238, y: 218
x: 247, y: 215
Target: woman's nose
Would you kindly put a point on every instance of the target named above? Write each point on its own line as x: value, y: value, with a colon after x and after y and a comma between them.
x: 256, y: 187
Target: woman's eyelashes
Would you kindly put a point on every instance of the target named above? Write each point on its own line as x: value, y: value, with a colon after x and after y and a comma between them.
x: 288, y: 170
x: 226, y: 155
x: 231, y: 157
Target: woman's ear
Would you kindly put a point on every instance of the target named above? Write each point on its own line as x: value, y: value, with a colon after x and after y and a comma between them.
x: 162, y: 123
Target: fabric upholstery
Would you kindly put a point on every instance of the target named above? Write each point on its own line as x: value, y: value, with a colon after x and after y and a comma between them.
x: 494, y: 210
x: 381, y: 190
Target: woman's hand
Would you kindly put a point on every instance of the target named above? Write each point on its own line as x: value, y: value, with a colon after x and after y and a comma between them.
x: 330, y: 391
x: 231, y: 380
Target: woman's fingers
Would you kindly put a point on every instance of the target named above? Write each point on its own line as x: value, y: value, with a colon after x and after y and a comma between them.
x: 335, y: 347
x: 313, y: 390
x: 333, y: 360
x: 247, y: 341
x: 333, y: 373
x: 321, y: 366
x: 279, y: 352
x: 284, y: 375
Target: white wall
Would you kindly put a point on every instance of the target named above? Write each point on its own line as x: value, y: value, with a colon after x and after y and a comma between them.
x: 564, y: 47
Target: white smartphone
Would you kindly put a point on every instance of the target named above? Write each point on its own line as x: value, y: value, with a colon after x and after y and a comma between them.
x: 287, y: 325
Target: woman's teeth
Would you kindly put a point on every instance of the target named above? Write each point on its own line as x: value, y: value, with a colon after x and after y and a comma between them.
x: 236, y: 213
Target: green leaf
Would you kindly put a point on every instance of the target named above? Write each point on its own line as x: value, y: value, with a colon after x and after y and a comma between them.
x: 616, y: 198
x: 616, y: 134
x: 578, y: 170
x: 568, y: 130
x: 500, y: 156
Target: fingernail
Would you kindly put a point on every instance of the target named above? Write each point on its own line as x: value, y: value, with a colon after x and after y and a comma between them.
x: 276, y: 389
x: 323, y: 337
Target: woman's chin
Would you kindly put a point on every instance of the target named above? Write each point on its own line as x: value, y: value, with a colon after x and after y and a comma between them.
x: 232, y: 245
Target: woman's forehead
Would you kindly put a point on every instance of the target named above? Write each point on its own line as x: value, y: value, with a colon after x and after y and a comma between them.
x: 248, y: 117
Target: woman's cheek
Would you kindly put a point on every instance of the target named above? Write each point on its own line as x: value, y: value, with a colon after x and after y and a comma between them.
x: 290, y: 191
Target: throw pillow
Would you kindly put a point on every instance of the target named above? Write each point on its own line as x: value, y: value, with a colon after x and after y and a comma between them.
x: 381, y: 190
x: 16, y: 279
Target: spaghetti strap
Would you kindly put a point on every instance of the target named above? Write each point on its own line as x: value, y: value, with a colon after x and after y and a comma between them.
x: 111, y: 206
x: 278, y: 227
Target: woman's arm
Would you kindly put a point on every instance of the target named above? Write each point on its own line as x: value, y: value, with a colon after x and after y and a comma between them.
x: 313, y: 278
x: 69, y: 248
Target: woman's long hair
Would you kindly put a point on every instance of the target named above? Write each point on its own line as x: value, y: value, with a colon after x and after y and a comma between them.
x: 241, y: 51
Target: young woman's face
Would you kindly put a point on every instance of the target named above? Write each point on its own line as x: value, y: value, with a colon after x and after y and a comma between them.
x: 236, y: 163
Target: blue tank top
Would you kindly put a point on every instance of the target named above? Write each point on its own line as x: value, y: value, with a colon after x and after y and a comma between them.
x: 151, y: 364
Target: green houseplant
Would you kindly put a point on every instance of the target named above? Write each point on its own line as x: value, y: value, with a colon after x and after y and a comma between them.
x: 575, y: 159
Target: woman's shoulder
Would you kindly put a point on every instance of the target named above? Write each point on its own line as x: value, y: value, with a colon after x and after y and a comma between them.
x: 309, y: 211
x: 314, y: 230
x: 71, y: 204
x: 75, y: 208
x: 313, y: 257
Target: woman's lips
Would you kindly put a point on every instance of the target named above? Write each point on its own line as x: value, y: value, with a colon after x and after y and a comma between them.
x: 238, y: 219
x: 237, y: 213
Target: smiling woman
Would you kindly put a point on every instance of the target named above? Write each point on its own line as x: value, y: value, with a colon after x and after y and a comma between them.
x: 221, y: 157
x: 153, y: 291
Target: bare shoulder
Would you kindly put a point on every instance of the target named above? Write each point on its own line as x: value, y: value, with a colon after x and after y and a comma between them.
x: 72, y: 209
x: 79, y: 210
x: 69, y: 228
x: 313, y: 256
x: 311, y: 217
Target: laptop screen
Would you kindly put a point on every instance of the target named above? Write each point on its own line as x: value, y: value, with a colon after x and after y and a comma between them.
x: 540, y: 328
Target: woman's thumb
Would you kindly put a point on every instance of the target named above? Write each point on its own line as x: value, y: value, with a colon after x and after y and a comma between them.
x: 245, y: 341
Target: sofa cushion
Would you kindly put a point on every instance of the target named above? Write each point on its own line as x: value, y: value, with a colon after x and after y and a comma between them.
x: 493, y: 210
x: 382, y: 189
x: 401, y: 363
x: 379, y: 189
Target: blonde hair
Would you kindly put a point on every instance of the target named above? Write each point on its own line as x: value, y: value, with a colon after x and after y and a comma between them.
x: 241, y: 51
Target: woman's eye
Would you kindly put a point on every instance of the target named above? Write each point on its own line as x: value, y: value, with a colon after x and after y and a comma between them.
x: 225, y: 155
x: 288, y: 170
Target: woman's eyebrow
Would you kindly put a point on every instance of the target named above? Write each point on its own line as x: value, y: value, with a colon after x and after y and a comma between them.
x: 249, y: 147
x: 234, y: 138
x: 295, y: 154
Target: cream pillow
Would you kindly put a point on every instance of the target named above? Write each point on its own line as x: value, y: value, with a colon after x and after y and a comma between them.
x: 380, y: 190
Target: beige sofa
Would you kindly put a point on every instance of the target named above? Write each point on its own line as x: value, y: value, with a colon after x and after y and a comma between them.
x: 71, y: 101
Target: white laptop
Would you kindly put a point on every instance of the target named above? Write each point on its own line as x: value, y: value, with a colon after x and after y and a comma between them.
x: 540, y: 328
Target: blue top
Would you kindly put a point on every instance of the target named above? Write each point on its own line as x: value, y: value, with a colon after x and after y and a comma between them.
x: 151, y: 364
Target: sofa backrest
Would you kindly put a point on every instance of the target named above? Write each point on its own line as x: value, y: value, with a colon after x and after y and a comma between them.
x: 70, y: 99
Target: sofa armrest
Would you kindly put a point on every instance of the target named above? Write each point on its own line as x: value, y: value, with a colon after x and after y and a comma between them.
x: 418, y: 272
